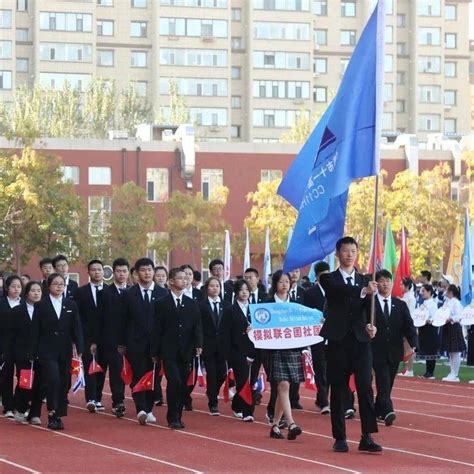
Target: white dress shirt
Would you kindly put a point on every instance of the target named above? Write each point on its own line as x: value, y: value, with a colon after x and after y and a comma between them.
x: 57, y: 304
x: 95, y: 290
x: 279, y: 300
x: 13, y: 303
x: 382, y: 302
x: 175, y: 298
x: 244, y: 307
x: 150, y: 290
x: 30, y: 309
x: 345, y: 275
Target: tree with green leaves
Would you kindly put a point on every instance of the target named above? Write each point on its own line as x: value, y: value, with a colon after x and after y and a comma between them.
x: 99, y: 108
x: 178, y: 112
x: 133, y: 110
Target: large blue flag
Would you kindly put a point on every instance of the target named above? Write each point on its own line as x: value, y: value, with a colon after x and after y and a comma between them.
x: 344, y: 146
x: 466, y: 284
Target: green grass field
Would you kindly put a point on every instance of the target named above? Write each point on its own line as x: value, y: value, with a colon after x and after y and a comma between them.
x: 442, y: 370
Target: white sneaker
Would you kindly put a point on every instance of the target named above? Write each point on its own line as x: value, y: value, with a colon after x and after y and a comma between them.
x: 451, y: 378
x: 90, y: 405
x: 238, y: 415
x: 20, y: 417
x: 99, y: 406
x: 150, y: 418
x: 325, y: 410
x: 408, y: 373
x: 35, y: 420
x: 142, y: 417
x: 9, y: 414
x: 248, y: 418
x: 471, y: 381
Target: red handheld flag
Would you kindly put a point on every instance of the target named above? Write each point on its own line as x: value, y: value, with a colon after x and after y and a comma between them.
x: 403, y: 269
x: 246, y: 393
x: 75, y: 366
x: 126, y: 373
x: 200, y: 375
x: 309, y: 381
x: 352, y: 383
x: 94, y: 367
x: 26, y: 379
x: 145, y: 383
x: 191, y: 378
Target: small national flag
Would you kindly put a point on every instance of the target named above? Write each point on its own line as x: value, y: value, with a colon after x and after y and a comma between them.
x: 94, y: 367
x: 26, y: 378
x: 145, y: 383
x: 126, y: 374
x: 75, y: 366
x: 80, y: 380
x: 200, y: 375
x: 245, y: 393
x: 259, y: 385
x: 390, y: 260
x: 191, y: 377
x: 228, y: 392
x: 352, y: 383
x: 309, y: 381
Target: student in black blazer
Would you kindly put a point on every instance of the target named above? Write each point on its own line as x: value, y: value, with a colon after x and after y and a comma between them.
x: 46, y: 268
x: 138, y: 314
x: 110, y: 333
x: 56, y: 327
x: 393, y: 321
x: 61, y: 266
x: 12, y: 291
x: 348, y: 332
x: 212, y: 310
x: 239, y: 350
x: 314, y: 297
x: 19, y: 346
x: 91, y: 306
x: 216, y: 269
x: 177, y: 338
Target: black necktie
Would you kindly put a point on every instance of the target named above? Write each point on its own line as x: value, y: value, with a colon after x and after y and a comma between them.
x: 120, y: 290
x: 386, y: 313
x: 349, y: 281
x: 96, y: 294
x: 293, y: 295
x: 178, y: 304
x: 252, y: 299
x: 216, y: 312
x: 146, y: 297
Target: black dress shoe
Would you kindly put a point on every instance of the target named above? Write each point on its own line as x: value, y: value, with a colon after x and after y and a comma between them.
x: 389, y: 418
x: 340, y: 446
x: 369, y: 445
x: 158, y: 402
x: 181, y: 424
x: 294, y: 431
x: 176, y: 425
x: 276, y: 434
x: 296, y: 406
x: 55, y: 423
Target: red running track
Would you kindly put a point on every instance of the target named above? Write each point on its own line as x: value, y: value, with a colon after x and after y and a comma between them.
x: 434, y: 432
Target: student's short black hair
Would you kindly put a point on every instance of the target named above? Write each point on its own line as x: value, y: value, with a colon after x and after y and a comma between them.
x: 455, y: 291
x: 144, y: 262
x: 161, y: 267
x: 252, y: 270
x: 197, y: 275
x: 58, y: 258
x: 407, y: 283
x: 120, y: 262
x: 426, y: 274
x: 174, y: 272
x: 214, y: 262
x: 428, y: 287
x: 321, y: 267
x: 45, y: 261
x: 239, y: 284
x: 93, y: 262
x: 186, y: 265
x: 9, y: 281
x: 30, y: 284
x: 346, y: 240
x: 383, y: 274
x: 52, y: 277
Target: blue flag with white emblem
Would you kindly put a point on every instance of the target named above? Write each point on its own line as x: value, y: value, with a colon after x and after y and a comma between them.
x: 466, y: 284
x: 344, y: 146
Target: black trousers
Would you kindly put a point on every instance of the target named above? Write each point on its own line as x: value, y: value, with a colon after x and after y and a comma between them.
x: 141, y: 363
x: 176, y: 372
x: 241, y: 372
x: 94, y: 381
x: 215, y: 375
x: 56, y: 378
x: 111, y: 360
x: 343, y: 358
x: 318, y: 353
x: 38, y: 393
x: 385, y: 372
x: 188, y: 400
x: 22, y: 397
x: 6, y: 386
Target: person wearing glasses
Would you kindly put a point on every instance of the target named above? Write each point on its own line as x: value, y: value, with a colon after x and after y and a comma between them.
x: 61, y: 266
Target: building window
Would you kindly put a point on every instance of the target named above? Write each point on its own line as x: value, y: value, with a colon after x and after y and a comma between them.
x: 5, y: 49
x: 450, y: 12
x: 320, y: 65
x: 105, y: 57
x: 429, y: 7
x: 281, y: 89
x: 401, y: 78
x: 429, y: 64
x: 429, y: 94
x: 450, y: 126
x: 138, y: 29
x: 57, y: 21
x: 348, y: 9
x: 400, y: 106
x: 450, y: 97
x: 388, y: 63
x: 21, y: 5
x: 388, y: 34
x: 138, y: 59
x: 320, y: 8
x: 5, y: 80
x: 450, y: 40
x: 348, y: 37
x: 344, y: 64
x: 387, y: 121
x: 210, y: 180
x: 401, y: 20
x: 105, y: 3
x: 429, y: 123
x: 266, y: 176
x: 276, y: 117
x: 21, y: 34
x: 319, y: 94
x: 401, y: 49
x: 235, y: 72
x: 73, y: 52
x: 281, y: 60
x: 236, y: 43
x: 235, y: 131
x: 71, y: 173
x: 388, y: 92
x: 105, y: 28
x: 56, y: 80
x: 141, y: 87
x: 320, y: 37
x: 236, y: 102
x: 100, y: 208
x: 389, y: 7
x: 100, y: 175
x: 429, y: 36
x: 22, y: 64
x: 139, y: 3
x: 196, y: 87
x: 281, y: 31
x: 450, y: 69
x: 157, y: 184
x: 236, y: 14
x: 5, y: 18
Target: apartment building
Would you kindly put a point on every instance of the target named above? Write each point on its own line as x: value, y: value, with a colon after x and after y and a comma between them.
x: 247, y: 68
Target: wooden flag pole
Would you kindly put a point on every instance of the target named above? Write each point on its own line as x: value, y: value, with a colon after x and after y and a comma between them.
x: 374, y: 253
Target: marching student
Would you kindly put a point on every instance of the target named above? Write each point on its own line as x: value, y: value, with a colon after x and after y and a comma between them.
x: 348, y: 331
x: 61, y: 266
x: 138, y: 314
x: 315, y: 297
x: 428, y: 335
x: 452, y: 339
x: 161, y: 276
x: 19, y: 347
x: 12, y: 291
x: 212, y: 310
x: 110, y: 330
x: 394, y: 322
x: 284, y: 368
x: 216, y: 267
x: 90, y: 306
x: 176, y: 339
x: 56, y: 327
x: 46, y: 267
x: 238, y: 349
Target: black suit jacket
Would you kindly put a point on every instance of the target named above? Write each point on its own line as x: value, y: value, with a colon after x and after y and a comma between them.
x: 234, y: 338
x: 89, y: 313
x: 314, y: 298
x: 71, y: 289
x: 138, y: 318
x: 20, y: 334
x: 111, y: 318
x: 53, y: 337
x: 299, y: 295
x: 346, y: 310
x: 262, y: 296
x: 387, y: 345
x: 5, y: 320
x: 198, y: 295
x: 176, y: 334
x: 211, y: 339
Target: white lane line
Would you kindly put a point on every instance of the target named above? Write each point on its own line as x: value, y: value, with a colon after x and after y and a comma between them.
x: 463, y: 407
x: 424, y: 383
x: 118, y: 450
x: 432, y: 393
x: 232, y: 443
x: 19, y: 466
